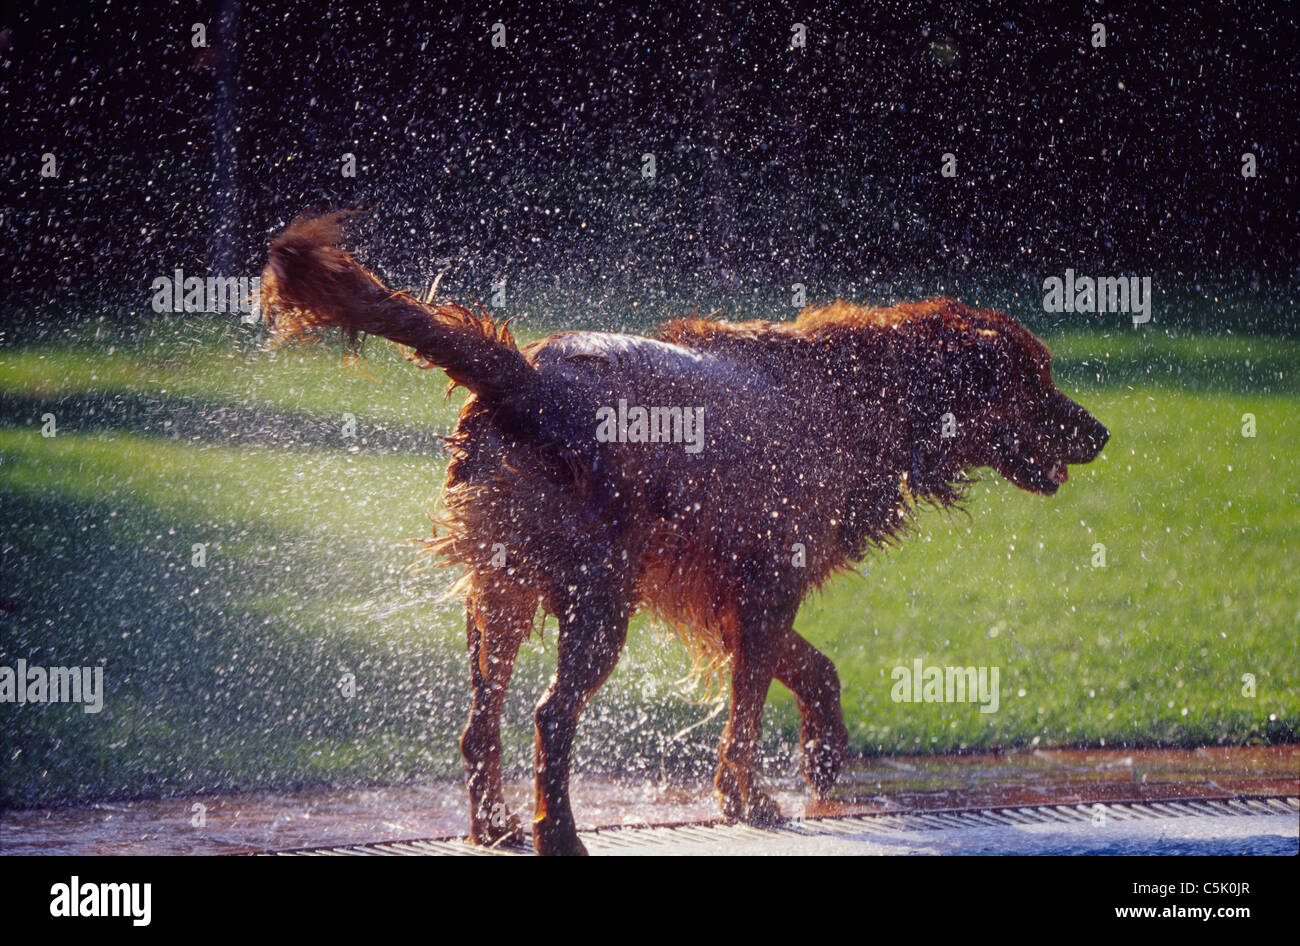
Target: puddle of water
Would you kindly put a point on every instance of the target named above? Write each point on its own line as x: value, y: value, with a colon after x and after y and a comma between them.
x: 269, y: 820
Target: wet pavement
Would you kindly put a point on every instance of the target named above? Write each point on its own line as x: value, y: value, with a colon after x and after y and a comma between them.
x: 246, y: 823
x: 1157, y: 828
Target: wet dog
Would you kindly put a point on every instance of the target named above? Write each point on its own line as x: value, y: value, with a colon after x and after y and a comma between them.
x: 713, y: 475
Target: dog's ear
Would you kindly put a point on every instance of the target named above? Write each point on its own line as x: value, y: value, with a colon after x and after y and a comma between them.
x: 957, y: 369
x: 954, y: 371
x: 983, y: 367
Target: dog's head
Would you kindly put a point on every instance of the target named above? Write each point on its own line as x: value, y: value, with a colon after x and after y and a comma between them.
x: 980, y: 393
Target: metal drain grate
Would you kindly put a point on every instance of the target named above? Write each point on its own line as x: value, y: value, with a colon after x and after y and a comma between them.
x: 847, y: 826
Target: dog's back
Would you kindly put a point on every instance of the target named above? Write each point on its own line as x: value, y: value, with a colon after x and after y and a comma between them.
x: 713, y: 460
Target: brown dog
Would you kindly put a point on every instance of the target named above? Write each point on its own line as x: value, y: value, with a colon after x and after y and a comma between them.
x: 713, y: 475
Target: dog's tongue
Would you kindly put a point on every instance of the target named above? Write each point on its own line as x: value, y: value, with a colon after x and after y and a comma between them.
x: 1058, y: 473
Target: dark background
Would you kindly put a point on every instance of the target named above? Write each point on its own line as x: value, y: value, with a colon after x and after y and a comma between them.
x: 775, y: 165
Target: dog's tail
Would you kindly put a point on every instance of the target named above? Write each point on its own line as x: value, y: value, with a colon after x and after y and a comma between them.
x: 311, y: 283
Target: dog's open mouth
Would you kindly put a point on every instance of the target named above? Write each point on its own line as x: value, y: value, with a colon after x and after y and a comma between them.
x: 1016, y: 459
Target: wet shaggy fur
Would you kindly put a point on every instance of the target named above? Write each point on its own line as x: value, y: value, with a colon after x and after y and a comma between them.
x: 820, y: 436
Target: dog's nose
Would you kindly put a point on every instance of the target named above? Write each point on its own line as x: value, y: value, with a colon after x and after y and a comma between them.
x: 1092, y: 438
x: 1099, y: 437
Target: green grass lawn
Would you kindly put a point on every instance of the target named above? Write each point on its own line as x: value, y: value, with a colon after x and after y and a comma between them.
x: 227, y: 675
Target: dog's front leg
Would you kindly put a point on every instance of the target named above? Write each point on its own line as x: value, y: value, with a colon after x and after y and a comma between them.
x: 810, y: 675
x: 592, y: 633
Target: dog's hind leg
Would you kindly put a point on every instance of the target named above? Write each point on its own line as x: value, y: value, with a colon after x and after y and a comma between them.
x: 811, y: 677
x: 593, y: 627
x: 753, y: 662
x: 496, y: 622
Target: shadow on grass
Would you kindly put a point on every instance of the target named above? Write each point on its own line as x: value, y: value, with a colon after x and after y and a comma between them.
x: 204, y: 421
x: 217, y: 677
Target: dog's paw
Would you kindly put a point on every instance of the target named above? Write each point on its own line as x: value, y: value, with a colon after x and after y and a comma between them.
x: 500, y: 829
x: 822, y: 762
x: 761, y: 811
x: 557, y: 844
x: 557, y: 837
x: 757, y: 809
